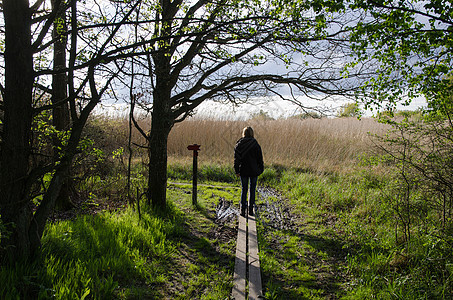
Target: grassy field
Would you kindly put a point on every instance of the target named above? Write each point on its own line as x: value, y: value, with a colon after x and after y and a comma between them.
x: 328, y: 222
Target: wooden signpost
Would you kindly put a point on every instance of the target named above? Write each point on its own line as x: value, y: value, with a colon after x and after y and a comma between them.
x: 195, y: 148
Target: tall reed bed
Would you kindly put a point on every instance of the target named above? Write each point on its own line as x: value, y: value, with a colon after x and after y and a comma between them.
x: 319, y: 144
x: 312, y: 143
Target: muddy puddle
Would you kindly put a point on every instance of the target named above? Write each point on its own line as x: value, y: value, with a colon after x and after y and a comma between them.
x: 225, y: 211
x: 271, y: 209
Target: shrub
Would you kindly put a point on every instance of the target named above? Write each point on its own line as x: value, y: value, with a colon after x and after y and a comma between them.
x: 349, y: 110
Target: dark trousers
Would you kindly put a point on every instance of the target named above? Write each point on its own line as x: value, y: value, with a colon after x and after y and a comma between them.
x: 245, y: 184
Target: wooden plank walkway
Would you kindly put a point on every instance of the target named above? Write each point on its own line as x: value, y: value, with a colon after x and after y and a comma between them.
x: 247, y: 259
x: 255, y: 288
x: 240, y: 263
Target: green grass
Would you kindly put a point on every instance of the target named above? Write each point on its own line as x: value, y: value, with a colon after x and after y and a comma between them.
x: 339, y: 242
x: 301, y: 261
x: 100, y: 256
x: 117, y: 256
x: 206, y: 173
x: 215, y: 173
x: 343, y: 243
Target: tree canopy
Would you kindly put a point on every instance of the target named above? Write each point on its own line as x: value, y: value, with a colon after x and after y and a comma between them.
x: 410, y: 43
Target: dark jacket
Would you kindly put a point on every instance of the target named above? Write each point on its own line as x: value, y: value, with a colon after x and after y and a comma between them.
x: 248, y: 158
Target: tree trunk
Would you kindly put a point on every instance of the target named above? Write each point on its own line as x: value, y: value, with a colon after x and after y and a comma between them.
x: 15, y: 150
x: 161, y: 125
x: 162, y: 117
x: 60, y: 112
x: 158, y: 138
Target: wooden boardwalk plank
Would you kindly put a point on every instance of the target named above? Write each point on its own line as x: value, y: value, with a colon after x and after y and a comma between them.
x: 255, y: 287
x: 240, y: 265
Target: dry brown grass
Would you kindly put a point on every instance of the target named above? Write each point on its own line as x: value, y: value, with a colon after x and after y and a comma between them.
x: 314, y: 143
x: 318, y: 144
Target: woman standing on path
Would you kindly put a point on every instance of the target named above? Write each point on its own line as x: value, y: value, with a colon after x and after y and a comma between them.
x: 248, y: 164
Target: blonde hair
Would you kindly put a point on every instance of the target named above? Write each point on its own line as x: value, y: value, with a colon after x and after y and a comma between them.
x: 247, y: 132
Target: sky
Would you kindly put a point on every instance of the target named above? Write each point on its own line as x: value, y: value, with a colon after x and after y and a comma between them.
x: 274, y: 108
x: 283, y: 109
